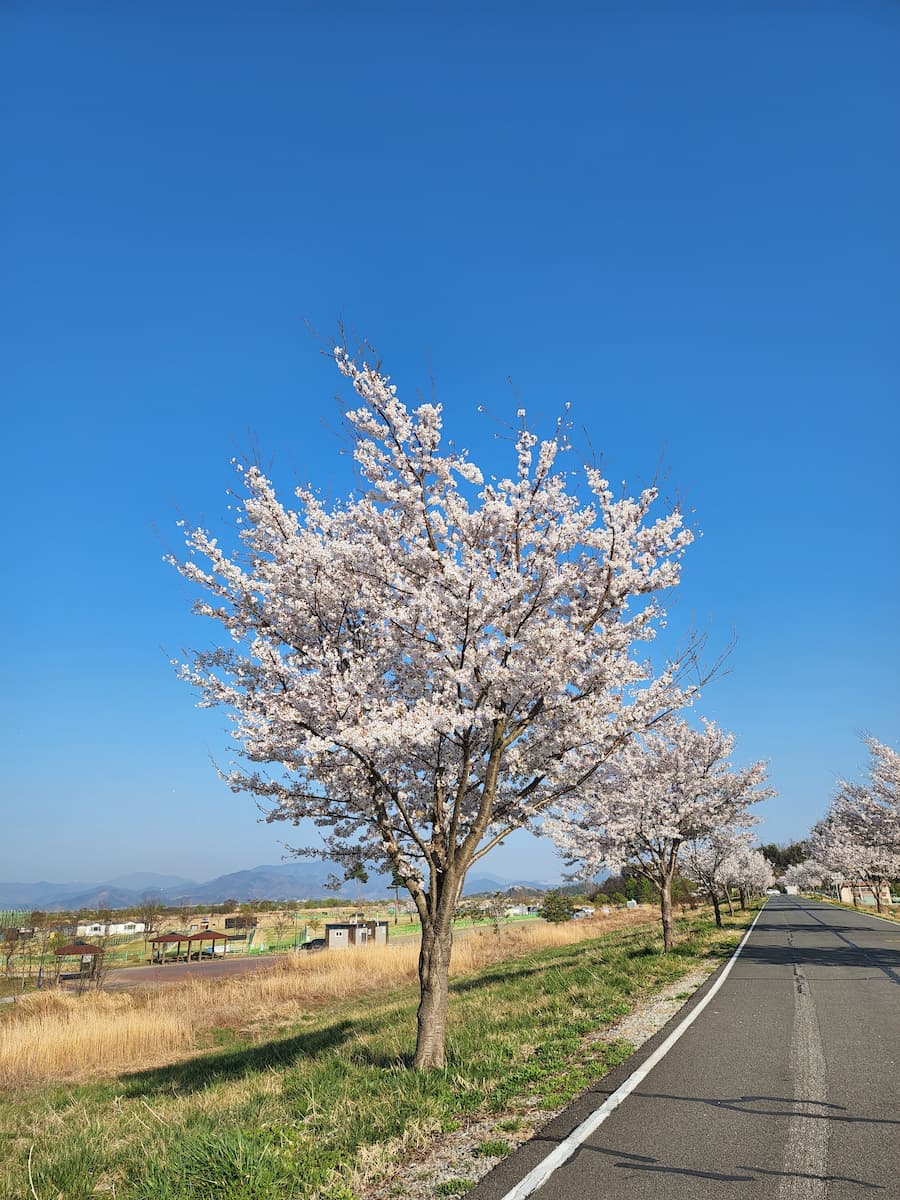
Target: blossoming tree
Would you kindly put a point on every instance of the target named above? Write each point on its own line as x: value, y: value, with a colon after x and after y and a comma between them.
x: 660, y: 790
x: 750, y: 872
x: 711, y: 862
x: 845, y: 847
x: 428, y: 665
x: 811, y: 875
x: 871, y: 811
x: 858, y: 840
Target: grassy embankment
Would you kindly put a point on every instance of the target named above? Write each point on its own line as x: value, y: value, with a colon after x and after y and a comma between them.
x: 293, y: 1083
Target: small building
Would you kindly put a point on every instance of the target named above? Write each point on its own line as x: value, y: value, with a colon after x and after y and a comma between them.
x: 161, y: 947
x: 197, y: 950
x: 340, y: 936
x: 241, y: 921
x: 88, y: 961
x: 110, y: 928
x: 862, y: 892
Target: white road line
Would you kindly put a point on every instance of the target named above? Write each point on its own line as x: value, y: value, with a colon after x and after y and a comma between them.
x: 806, y: 1145
x: 541, y: 1173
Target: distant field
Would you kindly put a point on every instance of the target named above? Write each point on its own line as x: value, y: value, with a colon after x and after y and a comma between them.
x: 273, y: 935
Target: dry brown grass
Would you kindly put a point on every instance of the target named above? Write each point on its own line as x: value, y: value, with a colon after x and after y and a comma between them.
x: 58, y: 1036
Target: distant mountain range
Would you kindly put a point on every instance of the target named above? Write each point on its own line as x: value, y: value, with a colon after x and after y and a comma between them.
x: 284, y: 881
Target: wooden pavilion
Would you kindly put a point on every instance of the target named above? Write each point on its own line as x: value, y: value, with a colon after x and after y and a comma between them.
x: 192, y: 942
x: 160, y: 946
x: 89, y: 958
x: 206, y: 935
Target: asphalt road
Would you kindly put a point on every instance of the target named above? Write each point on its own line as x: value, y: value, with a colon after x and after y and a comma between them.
x: 785, y: 1087
x: 221, y: 967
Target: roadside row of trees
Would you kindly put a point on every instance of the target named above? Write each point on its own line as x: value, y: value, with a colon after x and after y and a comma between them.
x: 858, y: 839
x: 669, y: 800
x: 449, y: 655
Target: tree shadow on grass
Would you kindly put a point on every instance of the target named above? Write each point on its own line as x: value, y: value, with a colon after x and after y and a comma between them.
x: 365, y: 1056
x: 195, y: 1074
x: 498, y: 975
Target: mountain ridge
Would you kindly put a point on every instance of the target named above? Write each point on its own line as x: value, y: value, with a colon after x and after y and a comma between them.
x: 302, y: 880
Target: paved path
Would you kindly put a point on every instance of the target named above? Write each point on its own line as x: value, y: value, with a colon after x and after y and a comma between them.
x: 123, y: 978
x: 786, y: 1087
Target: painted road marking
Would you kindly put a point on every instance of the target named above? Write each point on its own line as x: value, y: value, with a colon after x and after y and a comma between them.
x: 806, y: 1147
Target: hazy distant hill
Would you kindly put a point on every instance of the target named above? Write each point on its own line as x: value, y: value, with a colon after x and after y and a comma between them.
x: 147, y: 881
x: 476, y: 885
x: 283, y: 881
x: 286, y: 881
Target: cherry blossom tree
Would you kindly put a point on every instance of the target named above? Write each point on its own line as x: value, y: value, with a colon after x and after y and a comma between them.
x: 884, y: 790
x: 871, y: 811
x: 429, y: 664
x: 836, y: 842
x: 858, y: 840
x: 810, y: 875
x: 749, y: 871
x: 712, y: 861
x: 662, y: 789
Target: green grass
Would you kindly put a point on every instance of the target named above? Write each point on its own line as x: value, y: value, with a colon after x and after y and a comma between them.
x: 454, y: 1187
x: 282, y: 1118
x: 493, y: 1148
x: 511, y: 1124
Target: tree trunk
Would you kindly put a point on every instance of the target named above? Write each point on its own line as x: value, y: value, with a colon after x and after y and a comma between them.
x: 744, y: 897
x: 716, y: 909
x: 728, y: 901
x: 876, y: 892
x: 668, y: 922
x: 436, y: 909
x: 434, y: 985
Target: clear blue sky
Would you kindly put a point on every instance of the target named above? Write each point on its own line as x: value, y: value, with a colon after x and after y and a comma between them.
x: 681, y: 218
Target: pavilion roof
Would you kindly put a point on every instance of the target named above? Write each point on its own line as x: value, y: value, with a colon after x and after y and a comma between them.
x: 77, y: 948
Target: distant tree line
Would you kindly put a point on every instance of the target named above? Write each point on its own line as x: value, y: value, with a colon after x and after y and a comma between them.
x: 782, y: 857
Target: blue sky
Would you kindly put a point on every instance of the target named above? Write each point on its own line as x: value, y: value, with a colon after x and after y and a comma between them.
x: 682, y: 219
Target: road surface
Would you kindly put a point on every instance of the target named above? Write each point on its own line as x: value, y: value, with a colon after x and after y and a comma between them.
x: 220, y: 967
x: 785, y: 1087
